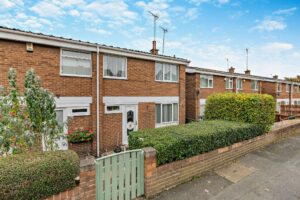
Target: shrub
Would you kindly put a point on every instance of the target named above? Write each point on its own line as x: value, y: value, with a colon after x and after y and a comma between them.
x: 37, y: 175
x: 179, y: 142
x: 250, y: 108
x: 80, y: 136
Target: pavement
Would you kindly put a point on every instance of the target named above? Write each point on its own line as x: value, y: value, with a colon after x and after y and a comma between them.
x: 272, y: 173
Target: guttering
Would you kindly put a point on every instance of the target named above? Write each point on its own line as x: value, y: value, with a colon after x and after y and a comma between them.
x: 18, y: 35
x: 97, y: 107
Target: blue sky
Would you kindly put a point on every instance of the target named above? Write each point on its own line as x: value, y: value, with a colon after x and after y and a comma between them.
x: 204, y: 31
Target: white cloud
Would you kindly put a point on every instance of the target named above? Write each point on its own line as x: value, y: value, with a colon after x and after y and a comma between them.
x: 270, y: 25
x: 74, y: 13
x: 277, y: 47
x: 116, y: 11
x: 99, y: 31
x: 191, y: 14
x: 47, y: 9
x: 289, y: 11
x: 215, y: 2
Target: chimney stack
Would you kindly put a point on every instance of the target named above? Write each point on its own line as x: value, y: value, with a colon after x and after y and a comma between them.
x: 275, y: 77
x: 154, y: 51
x: 248, y: 72
x: 231, y: 70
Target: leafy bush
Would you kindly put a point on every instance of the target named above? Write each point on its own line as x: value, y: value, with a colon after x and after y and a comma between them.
x: 250, y: 108
x: 80, y: 136
x: 37, y: 175
x: 179, y: 142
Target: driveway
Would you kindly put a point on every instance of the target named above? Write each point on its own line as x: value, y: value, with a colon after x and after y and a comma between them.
x: 271, y: 173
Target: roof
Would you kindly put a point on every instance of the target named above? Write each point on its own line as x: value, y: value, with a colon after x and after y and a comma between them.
x: 192, y: 69
x: 5, y: 31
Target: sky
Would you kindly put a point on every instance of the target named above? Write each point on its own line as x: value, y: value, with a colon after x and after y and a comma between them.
x: 206, y: 32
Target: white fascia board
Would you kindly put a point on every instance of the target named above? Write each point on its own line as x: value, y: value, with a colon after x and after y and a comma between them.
x: 64, y: 102
x: 72, y: 44
x: 123, y: 100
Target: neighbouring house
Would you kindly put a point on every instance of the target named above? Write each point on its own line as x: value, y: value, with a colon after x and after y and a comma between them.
x: 108, y: 89
x: 202, y: 82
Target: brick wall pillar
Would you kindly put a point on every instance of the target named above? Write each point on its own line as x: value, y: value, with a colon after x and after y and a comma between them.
x: 149, y: 169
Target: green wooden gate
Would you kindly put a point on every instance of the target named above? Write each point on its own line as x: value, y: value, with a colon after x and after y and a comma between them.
x: 120, y: 176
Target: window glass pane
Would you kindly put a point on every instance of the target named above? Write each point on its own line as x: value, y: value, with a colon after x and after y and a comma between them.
x: 254, y: 85
x: 167, y: 72
x: 158, y: 113
x: 76, y: 63
x: 175, y: 112
x: 167, y: 113
x: 114, y: 66
x: 210, y: 83
x: 159, y: 71
x: 174, y: 72
x: 113, y: 108
x: 203, y: 81
x: 59, y: 117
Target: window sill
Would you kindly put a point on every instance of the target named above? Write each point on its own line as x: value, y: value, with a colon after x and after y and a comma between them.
x: 77, y: 76
x: 166, y: 124
x: 116, y: 78
x: 167, y: 81
x: 206, y: 87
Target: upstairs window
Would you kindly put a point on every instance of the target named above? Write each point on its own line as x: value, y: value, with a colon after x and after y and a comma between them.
x: 254, y: 85
x: 288, y: 88
x: 229, y: 83
x: 166, y: 72
x: 75, y: 63
x: 115, y: 67
x: 206, y: 81
x: 279, y: 87
x: 239, y: 84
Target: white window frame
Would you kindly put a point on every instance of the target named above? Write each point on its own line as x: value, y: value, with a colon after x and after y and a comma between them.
x: 88, y: 112
x: 256, y: 85
x: 279, y: 87
x: 113, y: 111
x: 237, y: 84
x: 162, y: 124
x: 75, y: 75
x: 209, y: 77
x: 114, y: 77
x: 163, y: 75
x: 230, y: 80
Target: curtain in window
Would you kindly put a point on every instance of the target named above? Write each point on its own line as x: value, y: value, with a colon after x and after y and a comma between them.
x: 175, y: 72
x: 114, y: 66
x: 158, y: 113
x: 76, y: 63
x: 167, y: 72
x: 159, y: 71
x: 175, y: 112
x: 167, y: 113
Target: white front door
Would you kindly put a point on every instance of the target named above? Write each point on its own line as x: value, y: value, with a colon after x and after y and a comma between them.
x: 130, y: 122
x: 62, y: 142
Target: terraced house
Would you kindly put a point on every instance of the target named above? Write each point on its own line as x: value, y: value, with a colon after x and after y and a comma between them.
x: 108, y: 89
x: 202, y: 82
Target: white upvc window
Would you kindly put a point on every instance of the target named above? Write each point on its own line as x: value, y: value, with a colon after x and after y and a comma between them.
x: 114, y: 67
x: 288, y: 87
x: 166, y: 113
x: 254, y: 85
x: 239, y: 84
x: 206, y: 81
x: 229, y: 83
x: 76, y: 63
x: 112, y: 109
x: 279, y: 86
x: 166, y: 72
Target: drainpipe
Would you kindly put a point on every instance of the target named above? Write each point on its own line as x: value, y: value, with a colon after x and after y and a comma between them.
x: 97, y: 107
x: 236, y: 84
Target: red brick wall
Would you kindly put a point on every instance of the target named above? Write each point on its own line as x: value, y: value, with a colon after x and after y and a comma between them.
x: 192, y: 101
x: 146, y: 115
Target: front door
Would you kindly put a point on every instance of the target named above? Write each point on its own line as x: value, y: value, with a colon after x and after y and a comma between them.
x: 130, y: 122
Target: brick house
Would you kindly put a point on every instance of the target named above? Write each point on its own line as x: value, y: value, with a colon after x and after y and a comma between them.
x: 108, y: 89
x: 202, y: 82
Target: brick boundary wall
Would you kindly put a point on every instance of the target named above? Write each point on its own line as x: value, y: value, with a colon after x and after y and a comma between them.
x: 158, y: 179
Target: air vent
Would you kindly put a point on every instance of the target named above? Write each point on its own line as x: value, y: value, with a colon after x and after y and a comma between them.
x: 29, y: 47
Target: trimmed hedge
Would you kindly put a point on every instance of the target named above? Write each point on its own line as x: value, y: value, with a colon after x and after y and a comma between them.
x: 179, y: 142
x: 257, y: 109
x: 37, y: 175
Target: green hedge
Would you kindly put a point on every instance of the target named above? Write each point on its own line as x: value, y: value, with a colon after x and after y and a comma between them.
x: 37, y: 175
x: 179, y: 142
x: 250, y: 108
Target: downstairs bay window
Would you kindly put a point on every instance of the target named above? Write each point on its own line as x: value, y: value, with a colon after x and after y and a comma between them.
x: 166, y: 114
